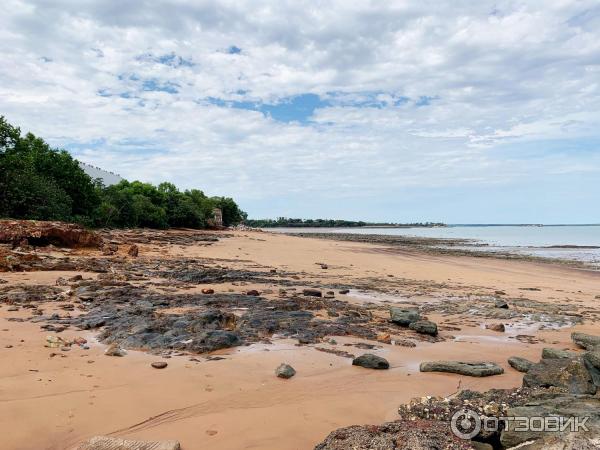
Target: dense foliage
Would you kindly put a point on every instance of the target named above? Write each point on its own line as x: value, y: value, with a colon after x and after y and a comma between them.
x: 39, y: 182
x: 328, y: 223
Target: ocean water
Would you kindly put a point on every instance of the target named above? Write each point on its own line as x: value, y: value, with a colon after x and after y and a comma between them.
x: 529, y: 240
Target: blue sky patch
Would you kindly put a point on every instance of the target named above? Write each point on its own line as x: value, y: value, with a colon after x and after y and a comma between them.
x: 155, y: 86
x: 298, y: 108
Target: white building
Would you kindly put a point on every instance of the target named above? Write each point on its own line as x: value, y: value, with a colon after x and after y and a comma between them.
x: 108, y: 178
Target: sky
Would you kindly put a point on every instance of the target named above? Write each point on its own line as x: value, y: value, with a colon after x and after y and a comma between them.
x: 428, y: 110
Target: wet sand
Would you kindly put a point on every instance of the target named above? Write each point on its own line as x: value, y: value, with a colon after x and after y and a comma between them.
x: 237, y: 402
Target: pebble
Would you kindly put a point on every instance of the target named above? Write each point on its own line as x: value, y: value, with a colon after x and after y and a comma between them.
x: 159, y: 364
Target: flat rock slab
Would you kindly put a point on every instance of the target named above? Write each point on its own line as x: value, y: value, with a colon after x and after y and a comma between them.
x: 468, y: 368
x: 587, y: 341
x: 520, y: 364
x: 111, y: 443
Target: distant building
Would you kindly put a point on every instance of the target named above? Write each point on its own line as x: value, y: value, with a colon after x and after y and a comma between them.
x: 108, y: 178
x: 217, y: 217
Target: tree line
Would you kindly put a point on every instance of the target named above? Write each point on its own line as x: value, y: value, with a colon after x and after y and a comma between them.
x: 330, y: 223
x: 44, y: 183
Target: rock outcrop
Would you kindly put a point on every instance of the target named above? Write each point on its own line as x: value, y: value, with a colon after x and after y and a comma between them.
x: 399, y: 435
x: 42, y: 233
x: 569, y: 375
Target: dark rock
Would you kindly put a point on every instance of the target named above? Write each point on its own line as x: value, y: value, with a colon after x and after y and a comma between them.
x: 216, y: 340
x: 404, y: 317
x: 344, y: 291
x: 312, y: 293
x: 285, y: 371
x: 159, y: 364
x: 370, y: 361
x: 424, y: 327
x: 207, y: 291
x: 253, y: 292
x: 133, y: 251
x: 569, y: 375
x: 468, y: 368
x: 520, y: 364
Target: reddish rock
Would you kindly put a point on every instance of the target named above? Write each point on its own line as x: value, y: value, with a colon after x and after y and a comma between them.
x: 42, y: 233
x: 253, y: 292
x: 133, y: 251
x: 208, y: 291
x: 496, y: 327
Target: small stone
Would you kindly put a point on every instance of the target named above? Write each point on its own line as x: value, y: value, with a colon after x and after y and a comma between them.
x: 285, y: 371
x: 133, y: 250
x: 159, y: 364
x: 208, y: 291
x: 13, y: 308
x: 253, y: 293
x: 79, y: 341
x: 384, y: 338
x: 344, y: 291
x: 404, y: 317
x: 496, y: 327
x: 114, y: 350
x: 370, y: 361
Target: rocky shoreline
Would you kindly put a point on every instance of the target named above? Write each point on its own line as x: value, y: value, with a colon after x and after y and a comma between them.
x: 440, y: 246
x: 133, y: 293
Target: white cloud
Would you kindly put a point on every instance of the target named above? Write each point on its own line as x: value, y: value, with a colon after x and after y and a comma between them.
x: 454, y: 83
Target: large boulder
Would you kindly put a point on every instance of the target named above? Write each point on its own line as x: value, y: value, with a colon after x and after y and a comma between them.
x: 400, y: 435
x: 404, y: 317
x: 569, y: 375
x: 566, y: 406
x: 424, y: 327
x: 371, y: 361
x: 587, y: 341
x: 468, y: 368
x: 42, y: 233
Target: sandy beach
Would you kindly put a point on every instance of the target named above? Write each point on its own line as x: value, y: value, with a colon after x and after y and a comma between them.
x: 52, y: 399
